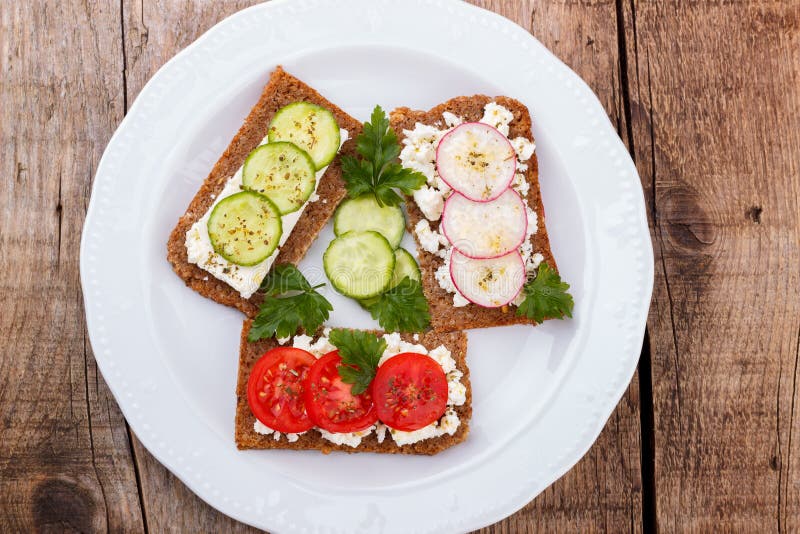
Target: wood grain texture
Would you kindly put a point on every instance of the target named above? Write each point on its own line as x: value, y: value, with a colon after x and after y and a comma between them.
x: 65, y: 459
x: 716, y: 131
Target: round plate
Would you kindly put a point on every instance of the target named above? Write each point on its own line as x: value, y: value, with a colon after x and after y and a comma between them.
x: 541, y: 395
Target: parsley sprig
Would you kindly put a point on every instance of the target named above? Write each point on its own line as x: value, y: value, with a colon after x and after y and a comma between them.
x: 403, y: 308
x: 290, y: 302
x: 378, y: 172
x: 546, y: 296
x: 360, y: 352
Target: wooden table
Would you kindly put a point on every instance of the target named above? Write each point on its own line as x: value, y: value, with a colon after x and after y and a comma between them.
x: 705, y: 94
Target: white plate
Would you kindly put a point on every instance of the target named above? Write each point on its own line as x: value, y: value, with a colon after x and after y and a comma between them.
x: 541, y: 395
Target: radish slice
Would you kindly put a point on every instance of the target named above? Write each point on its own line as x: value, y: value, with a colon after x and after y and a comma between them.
x: 476, y: 160
x: 485, y: 229
x: 489, y: 283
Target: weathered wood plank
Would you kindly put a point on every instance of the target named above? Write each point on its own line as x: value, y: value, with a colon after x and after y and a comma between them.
x: 603, y: 492
x: 65, y: 459
x: 716, y: 131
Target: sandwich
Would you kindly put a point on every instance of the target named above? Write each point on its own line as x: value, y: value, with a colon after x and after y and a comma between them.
x: 479, y: 222
x: 267, y: 197
x: 353, y: 391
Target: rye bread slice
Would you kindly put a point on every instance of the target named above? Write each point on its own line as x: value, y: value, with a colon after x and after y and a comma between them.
x: 444, y: 316
x: 281, y: 89
x: 247, y: 438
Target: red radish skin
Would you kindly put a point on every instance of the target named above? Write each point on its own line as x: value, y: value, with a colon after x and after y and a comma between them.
x: 478, y: 192
x: 515, y: 281
x: 487, y: 214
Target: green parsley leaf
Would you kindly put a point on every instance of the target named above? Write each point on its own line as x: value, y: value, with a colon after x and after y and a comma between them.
x: 289, y: 303
x: 357, y: 176
x: 360, y: 352
x: 546, y: 296
x: 377, y: 142
x: 283, y: 279
x: 377, y: 171
x: 402, y: 308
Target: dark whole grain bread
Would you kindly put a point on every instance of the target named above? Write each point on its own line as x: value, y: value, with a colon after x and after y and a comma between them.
x: 247, y: 438
x: 281, y: 89
x: 444, y: 316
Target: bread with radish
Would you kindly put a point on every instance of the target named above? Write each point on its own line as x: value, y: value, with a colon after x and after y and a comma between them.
x: 479, y: 222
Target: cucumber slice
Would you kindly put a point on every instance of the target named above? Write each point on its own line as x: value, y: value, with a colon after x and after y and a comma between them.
x: 281, y: 171
x: 363, y: 213
x: 245, y: 228
x: 310, y: 127
x: 404, y: 265
x: 359, y: 264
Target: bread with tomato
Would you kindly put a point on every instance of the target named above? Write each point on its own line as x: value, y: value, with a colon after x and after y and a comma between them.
x: 298, y: 384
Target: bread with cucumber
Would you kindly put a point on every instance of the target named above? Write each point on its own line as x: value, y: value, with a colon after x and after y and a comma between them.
x: 262, y: 235
x: 265, y: 356
x: 484, y: 217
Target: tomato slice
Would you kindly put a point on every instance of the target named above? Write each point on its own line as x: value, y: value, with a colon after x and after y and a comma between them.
x: 331, y: 404
x: 410, y: 391
x: 275, y: 389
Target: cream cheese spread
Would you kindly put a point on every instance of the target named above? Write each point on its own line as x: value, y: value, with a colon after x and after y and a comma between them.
x: 244, y: 279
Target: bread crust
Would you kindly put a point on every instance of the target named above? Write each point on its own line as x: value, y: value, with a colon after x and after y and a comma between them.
x: 247, y: 438
x: 444, y: 316
x: 281, y: 89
